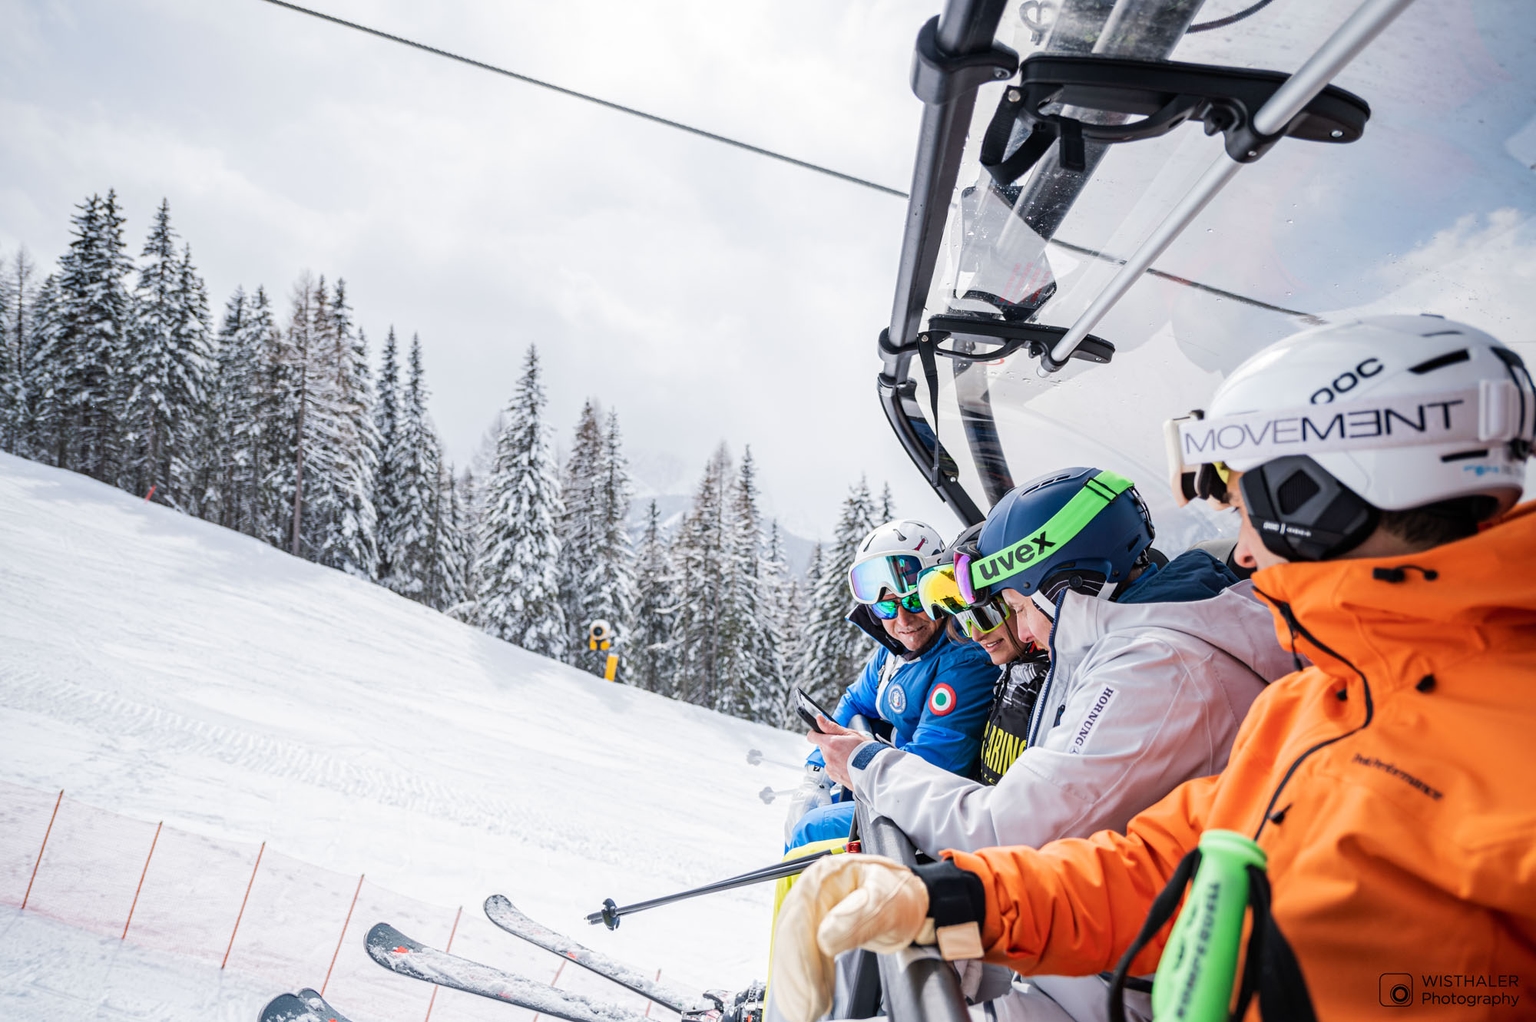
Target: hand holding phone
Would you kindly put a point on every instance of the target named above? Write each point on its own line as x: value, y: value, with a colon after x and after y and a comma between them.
x: 808, y: 709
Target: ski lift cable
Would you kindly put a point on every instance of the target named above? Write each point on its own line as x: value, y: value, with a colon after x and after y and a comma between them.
x: 1306, y: 317
x: 758, y: 150
x: 609, y: 104
x: 1336, y: 52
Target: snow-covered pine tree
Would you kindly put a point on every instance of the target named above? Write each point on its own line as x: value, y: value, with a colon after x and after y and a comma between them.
x: 451, y: 592
x: 164, y: 370
x: 23, y: 346
x: 750, y: 675
x: 834, y: 649
x: 270, y: 438
x: 580, y: 531
x: 887, y: 506
x: 782, y: 614
x: 700, y: 559
x: 18, y: 297
x: 94, y: 313
x: 519, y: 590
x: 232, y: 389
x: 386, y: 419
x: 647, y: 653
x: 613, y: 579
x: 192, y: 453
x: 345, y: 520
x: 42, y: 375
x: 415, y: 460
x: 467, y: 495
x: 10, y: 384
x: 298, y: 406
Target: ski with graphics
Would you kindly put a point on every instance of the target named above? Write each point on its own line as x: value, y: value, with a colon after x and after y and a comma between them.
x: 506, y: 915
x: 304, y: 1006
x: 399, y: 953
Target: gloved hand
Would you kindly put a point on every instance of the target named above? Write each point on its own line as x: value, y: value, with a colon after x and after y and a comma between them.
x: 815, y: 790
x: 848, y: 901
x: 839, y: 903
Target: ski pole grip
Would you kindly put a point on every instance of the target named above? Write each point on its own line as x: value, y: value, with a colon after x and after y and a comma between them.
x: 1199, y: 965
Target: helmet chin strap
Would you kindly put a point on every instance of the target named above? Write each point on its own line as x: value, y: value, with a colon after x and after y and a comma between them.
x: 1047, y: 604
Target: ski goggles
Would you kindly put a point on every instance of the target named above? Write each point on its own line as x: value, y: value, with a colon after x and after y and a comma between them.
x: 870, y: 580
x: 940, y: 594
x: 1199, y: 481
x: 887, y: 609
x: 976, y: 573
x: 1494, y: 411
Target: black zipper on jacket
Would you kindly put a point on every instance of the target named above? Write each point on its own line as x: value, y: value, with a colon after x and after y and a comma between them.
x: 1370, y: 710
x: 1045, y: 686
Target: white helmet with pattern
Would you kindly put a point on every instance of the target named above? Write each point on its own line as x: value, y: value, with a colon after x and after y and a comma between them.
x: 1386, y: 413
x: 891, y: 557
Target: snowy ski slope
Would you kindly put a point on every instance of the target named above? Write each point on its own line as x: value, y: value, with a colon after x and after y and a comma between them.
x: 169, y: 669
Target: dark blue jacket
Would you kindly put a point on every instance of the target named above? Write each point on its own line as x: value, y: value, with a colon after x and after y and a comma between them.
x: 1193, y: 575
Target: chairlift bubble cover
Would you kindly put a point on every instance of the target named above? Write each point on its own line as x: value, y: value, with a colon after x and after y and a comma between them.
x: 1433, y: 209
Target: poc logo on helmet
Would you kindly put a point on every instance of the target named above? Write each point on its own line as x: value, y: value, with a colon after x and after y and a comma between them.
x: 1347, y: 381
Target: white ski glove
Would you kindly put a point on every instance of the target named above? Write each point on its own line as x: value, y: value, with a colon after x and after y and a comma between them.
x: 848, y: 901
x: 815, y: 790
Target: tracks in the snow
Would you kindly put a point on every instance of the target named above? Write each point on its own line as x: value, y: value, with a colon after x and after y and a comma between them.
x: 330, y: 769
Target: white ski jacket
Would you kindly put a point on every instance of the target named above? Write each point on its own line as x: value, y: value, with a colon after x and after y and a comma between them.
x: 1140, y: 698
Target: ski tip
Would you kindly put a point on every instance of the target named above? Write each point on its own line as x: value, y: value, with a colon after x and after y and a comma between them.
x: 384, y: 941
x: 499, y: 903
x: 321, y: 1010
x: 284, y: 1008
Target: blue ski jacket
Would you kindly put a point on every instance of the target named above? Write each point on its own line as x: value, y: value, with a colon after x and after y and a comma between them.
x: 936, y: 704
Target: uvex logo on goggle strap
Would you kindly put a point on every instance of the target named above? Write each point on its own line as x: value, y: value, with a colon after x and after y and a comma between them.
x: 1490, y: 412
x: 1095, y: 495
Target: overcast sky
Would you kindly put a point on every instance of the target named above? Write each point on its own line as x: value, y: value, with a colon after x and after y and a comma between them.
x: 704, y: 293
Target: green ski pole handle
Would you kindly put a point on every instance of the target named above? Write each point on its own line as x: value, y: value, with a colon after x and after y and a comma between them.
x: 1198, y: 967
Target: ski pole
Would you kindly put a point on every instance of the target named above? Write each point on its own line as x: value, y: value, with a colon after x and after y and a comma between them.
x: 609, y: 916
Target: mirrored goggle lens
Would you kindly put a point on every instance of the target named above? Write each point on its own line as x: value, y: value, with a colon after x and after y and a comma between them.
x: 977, y: 621
x: 937, y: 591
x: 962, y: 570
x: 872, y: 579
x: 885, y: 610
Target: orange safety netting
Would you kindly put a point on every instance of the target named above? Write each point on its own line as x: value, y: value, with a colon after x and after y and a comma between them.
x: 250, y: 908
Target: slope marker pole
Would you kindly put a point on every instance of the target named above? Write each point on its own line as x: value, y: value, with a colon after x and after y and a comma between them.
x: 448, y: 947
x: 142, y: 875
x: 249, y: 884
x: 26, y: 897
x: 649, y: 1003
x: 343, y: 933
x: 552, y: 982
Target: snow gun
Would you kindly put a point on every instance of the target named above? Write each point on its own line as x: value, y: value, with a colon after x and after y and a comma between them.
x: 610, y: 914
x: 1197, y: 974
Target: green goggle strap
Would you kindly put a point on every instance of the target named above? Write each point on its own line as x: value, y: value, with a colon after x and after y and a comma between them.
x: 1097, y: 494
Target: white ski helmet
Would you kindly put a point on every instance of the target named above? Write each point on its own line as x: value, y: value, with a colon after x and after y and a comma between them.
x: 1386, y: 413
x: 890, y: 558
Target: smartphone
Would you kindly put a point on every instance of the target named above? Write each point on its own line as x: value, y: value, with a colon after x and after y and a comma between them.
x: 808, y: 709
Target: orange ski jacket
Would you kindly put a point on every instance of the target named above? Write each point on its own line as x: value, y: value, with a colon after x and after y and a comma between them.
x: 1392, y: 786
